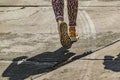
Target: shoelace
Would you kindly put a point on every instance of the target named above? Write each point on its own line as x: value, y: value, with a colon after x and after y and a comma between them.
x: 72, y: 32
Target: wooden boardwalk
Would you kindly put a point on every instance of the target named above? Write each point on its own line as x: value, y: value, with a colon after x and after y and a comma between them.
x: 30, y: 46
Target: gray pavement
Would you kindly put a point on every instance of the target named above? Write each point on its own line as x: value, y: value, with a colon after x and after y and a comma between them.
x: 30, y: 46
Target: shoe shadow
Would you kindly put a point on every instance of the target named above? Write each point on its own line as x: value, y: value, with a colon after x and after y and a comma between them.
x: 112, y: 63
x: 42, y: 63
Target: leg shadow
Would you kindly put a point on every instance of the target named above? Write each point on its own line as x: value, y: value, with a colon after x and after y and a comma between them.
x: 42, y: 63
x: 112, y: 63
x: 20, y: 70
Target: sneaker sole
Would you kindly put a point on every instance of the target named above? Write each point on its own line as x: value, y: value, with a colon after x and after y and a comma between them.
x: 74, y: 39
x: 64, y: 37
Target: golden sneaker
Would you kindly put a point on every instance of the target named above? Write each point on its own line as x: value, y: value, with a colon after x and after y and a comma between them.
x: 64, y: 36
x: 73, y: 35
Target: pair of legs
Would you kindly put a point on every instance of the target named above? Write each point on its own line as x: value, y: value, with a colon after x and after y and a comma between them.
x: 72, y: 5
x: 58, y: 7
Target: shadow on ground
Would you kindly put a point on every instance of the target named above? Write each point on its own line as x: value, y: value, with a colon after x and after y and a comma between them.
x: 112, y: 63
x: 44, y: 62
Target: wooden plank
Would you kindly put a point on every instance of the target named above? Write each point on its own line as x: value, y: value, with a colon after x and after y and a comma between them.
x: 23, y: 2
x: 45, y: 3
x: 82, y: 69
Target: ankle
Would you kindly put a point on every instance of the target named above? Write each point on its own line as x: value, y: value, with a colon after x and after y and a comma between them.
x: 59, y: 20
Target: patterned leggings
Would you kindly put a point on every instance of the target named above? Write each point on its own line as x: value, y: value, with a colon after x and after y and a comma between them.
x: 72, y: 5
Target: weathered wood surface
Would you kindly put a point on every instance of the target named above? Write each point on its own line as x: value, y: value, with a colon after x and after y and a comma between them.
x: 31, y: 31
x: 37, y: 3
x: 101, y: 65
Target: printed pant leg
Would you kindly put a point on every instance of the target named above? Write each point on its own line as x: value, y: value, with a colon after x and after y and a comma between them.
x: 72, y: 6
x: 58, y: 7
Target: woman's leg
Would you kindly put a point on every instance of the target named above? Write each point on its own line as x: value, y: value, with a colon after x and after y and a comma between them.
x: 72, y: 12
x: 58, y: 7
x: 72, y: 15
